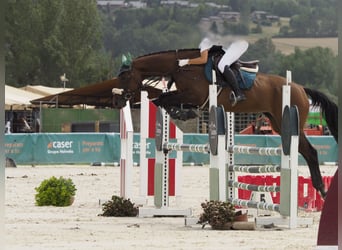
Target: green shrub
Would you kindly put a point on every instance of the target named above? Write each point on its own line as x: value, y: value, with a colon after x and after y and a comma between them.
x: 55, y: 192
x: 119, y: 207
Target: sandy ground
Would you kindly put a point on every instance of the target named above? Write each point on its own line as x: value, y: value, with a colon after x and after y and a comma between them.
x: 79, y: 226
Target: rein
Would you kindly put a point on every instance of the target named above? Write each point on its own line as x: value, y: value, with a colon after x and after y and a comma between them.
x: 152, y: 81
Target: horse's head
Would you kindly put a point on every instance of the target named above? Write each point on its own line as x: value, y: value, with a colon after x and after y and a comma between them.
x: 128, y: 84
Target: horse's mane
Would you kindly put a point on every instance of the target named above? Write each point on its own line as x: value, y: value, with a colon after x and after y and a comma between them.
x: 167, y: 51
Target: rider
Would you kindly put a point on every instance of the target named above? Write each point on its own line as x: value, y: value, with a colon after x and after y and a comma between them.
x: 231, y: 54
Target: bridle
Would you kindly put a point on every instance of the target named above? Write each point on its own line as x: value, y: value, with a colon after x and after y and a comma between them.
x: 151, y: 80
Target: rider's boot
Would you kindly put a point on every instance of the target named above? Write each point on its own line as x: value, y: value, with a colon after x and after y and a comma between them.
x: 231, y: 80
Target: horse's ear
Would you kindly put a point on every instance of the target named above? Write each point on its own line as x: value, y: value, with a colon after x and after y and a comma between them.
x: 124, y: 60
x: 129, y: 57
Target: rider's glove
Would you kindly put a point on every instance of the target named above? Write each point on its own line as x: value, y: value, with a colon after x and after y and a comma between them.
x: 183, y: 62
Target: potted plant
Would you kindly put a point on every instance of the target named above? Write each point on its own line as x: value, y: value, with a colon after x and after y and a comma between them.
x: 220, y: 215
x: 119, y: 207
x: 58, y: 192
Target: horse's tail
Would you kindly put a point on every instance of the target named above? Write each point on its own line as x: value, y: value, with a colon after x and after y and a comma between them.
x: 328, y: 108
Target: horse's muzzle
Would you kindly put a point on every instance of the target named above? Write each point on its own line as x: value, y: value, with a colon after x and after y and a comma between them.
x: 118, y: 101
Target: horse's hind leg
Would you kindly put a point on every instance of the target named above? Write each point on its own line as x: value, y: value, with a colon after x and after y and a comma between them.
x: 310, y: 155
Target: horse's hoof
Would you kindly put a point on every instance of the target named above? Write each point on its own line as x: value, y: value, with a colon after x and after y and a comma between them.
x: 175, y: 114
x: 181, y: 114
x: 183, y: 117
x: 187, y: 115
x: 156, y: 102
x: 323, y: 194
x: 192, y: 114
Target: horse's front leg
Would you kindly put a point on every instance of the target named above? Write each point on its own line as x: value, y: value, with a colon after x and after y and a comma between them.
x: 164, y: 99
x: 173, y: 103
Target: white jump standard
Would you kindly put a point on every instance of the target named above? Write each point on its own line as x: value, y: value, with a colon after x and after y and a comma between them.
x: 288, y: 171
x: 218, y: 181
x: 161, y: 177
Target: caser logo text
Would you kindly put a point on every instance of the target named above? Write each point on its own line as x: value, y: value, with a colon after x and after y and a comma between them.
x: 60, y: 147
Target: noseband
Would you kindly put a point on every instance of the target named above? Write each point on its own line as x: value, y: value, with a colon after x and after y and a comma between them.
x: 127, y: 94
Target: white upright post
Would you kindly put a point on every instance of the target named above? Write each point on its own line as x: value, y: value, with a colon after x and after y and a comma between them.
x: 163, y: 169
x: 213, y: 91
x: 218, y: 175
x: 287, y: 91
x: 178, y: 169
x: 289, y: 163
x: 126, y: 159
x: 232, y: 192
x: 293, y: 223
x: 144, y: 123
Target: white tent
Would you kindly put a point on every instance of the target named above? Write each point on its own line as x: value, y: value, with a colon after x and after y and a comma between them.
x: 44, y: 90
x: 18, y: 99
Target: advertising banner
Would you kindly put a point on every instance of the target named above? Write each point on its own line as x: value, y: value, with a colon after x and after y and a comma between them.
x: 85, y: 148
x: 56, y: 148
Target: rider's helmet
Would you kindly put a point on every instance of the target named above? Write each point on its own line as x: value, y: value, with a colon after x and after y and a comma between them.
x: 205, y: 44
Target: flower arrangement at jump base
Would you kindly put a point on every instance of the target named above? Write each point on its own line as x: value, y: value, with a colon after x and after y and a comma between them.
x: 58, y: 192
x: 222, y: 216
x: 119, y: 207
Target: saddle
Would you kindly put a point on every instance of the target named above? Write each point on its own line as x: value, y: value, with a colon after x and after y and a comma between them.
x: 249, y: 66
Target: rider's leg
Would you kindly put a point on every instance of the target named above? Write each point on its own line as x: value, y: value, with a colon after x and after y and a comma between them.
x: 232, y: 54
x: 231, y: 80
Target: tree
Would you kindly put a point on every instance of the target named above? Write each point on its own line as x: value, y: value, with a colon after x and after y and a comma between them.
x: 20, y: 43
x: 80, y: 35
x: 315, y: 67
x: 265, y: 51
x: 149, y: 30
x: 45, y: 39
x: 152, y: 3
x: 315, y: 18
x: 285, y: 8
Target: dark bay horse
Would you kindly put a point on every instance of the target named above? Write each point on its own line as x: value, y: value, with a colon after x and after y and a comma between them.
x: 265, y: 96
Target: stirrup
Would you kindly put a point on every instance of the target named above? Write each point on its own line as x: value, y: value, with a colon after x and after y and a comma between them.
x: 235, y: 99
x: 232, y: 98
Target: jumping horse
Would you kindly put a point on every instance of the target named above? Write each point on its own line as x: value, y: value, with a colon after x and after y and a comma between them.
x: 264, y: 96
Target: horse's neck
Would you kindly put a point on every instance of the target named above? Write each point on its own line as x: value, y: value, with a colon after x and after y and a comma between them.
x: 155, y: 65
x: 159, y: 64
